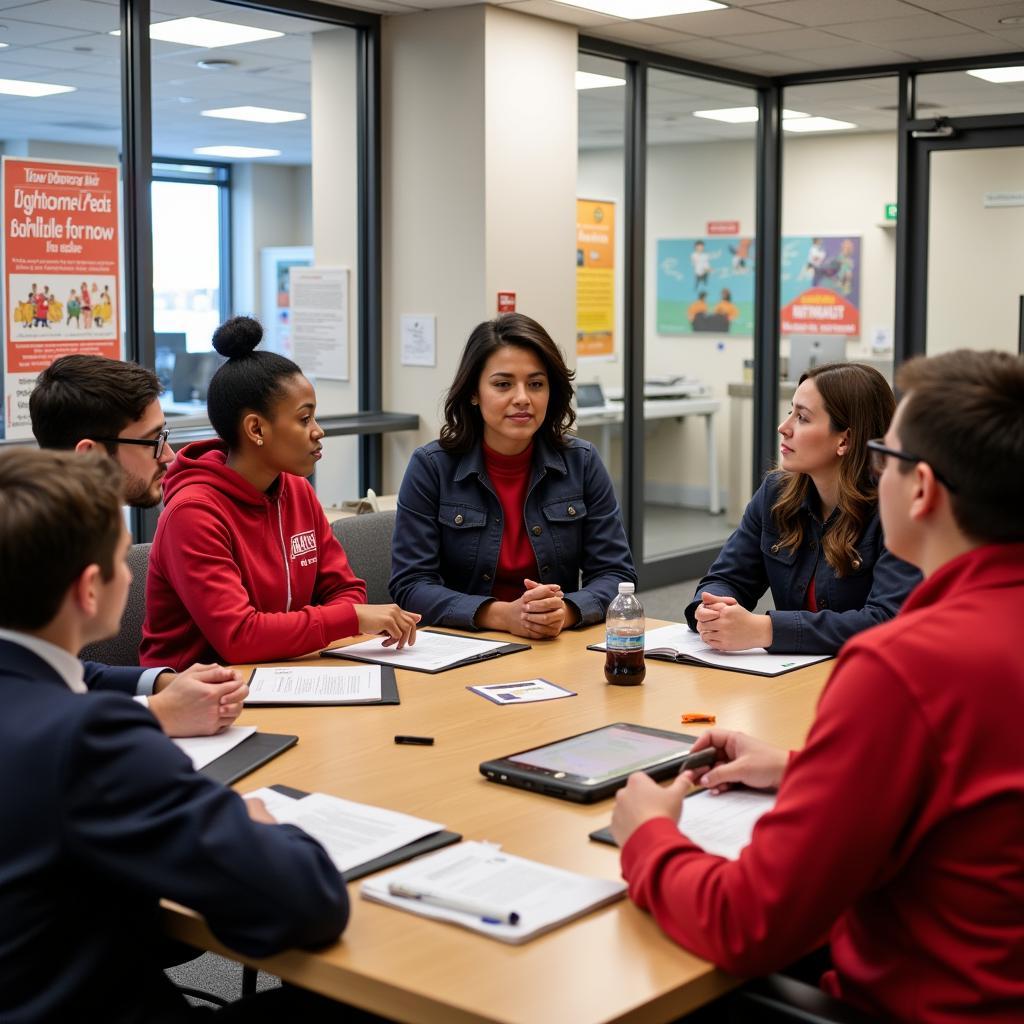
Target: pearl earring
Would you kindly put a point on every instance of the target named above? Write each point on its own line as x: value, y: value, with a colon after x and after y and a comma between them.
x: 259, y: 442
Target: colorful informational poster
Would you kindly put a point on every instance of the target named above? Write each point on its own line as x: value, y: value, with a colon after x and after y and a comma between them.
x: 820, y: 287
x: 62, y: 271
x: 595, y: 278
x: 706, y: 285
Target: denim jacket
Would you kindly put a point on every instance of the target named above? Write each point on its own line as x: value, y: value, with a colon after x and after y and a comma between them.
x: 752, y: 560
x: 449, y: 526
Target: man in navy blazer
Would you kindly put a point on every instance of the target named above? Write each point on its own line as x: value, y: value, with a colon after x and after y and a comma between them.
x: 90, y: 403
x: 102, y: 815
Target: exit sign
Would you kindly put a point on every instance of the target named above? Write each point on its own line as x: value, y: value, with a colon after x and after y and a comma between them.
x: 890, y: 211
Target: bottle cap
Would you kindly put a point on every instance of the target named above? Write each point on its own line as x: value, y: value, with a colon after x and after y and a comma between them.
x: 627, y: 588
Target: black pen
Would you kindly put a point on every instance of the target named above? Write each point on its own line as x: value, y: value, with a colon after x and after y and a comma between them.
x: 702, y: 758
x: 416, y: 741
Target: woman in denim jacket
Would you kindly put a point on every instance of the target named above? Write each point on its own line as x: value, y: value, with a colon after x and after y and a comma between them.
x: 811, y: 532
x: 500, y: 518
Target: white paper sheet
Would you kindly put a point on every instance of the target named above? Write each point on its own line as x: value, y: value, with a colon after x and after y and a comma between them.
x: 431, y: 651
x: 525, y: 691
x: 204, y: 749
x: 543, y: 896
x: 723, y: 824
x: 314, y: 684
x: 351, y: 833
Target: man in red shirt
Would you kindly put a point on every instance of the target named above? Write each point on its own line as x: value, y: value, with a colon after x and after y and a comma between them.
x: 898, y: 832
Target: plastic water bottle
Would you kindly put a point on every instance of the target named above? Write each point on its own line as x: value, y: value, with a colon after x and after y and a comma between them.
x: 624, y: 639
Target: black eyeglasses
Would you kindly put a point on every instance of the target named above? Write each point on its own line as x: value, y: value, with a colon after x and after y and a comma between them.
x: 879, y: 452
x: 157, y: 443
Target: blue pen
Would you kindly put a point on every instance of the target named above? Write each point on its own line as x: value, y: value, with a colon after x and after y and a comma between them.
x: 487, y: 914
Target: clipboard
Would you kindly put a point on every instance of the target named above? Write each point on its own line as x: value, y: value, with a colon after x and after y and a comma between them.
x: 388, y: 695
x: 250, y: 754
x: 399, y: 856
x: 496, y: 652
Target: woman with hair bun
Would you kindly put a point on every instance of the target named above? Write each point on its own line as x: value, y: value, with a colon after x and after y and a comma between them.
x: 244, y: 566
x: 509, y: 522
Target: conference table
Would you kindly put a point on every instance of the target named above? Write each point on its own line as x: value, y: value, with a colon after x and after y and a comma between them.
x: 611, y: 965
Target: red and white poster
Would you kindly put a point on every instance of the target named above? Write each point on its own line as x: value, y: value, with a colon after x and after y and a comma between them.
x: 62, y: 271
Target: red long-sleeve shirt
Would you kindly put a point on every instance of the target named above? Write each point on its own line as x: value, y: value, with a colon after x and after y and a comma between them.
x: 899, y: 829
x: 237, y: 575
x: 510, y: 475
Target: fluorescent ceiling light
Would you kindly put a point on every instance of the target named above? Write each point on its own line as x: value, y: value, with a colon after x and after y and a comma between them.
x: 815, y: 124
x: 262, y: 115
x: 4, y: 45
x: 588, y: 80
x: 633, y: 9
x: 12, y: 87
x: 205, y: 32
x: 740, y: 115
x: 999, y: 75
x: 241, y: 152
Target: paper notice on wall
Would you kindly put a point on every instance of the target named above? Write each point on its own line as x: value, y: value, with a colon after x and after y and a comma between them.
x: 419, y: 339
x: 319, y: 305
x: 62, y: 271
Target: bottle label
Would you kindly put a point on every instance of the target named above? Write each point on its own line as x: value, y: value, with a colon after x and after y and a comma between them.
x: 625, y: 642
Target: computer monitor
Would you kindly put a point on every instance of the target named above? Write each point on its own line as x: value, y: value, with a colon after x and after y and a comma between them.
x: 168, y: 347
x: 589, y: 396
x: 809, y: 350
x: 192, y: 373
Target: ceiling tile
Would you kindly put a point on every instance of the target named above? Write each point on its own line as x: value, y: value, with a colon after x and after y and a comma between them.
x: 951, y: 46
x: 706, y: 49
x: 770, y: 64
x: 785, y: 42
x: 987, y: 17
x: 722, y: 24
x: 853, y: 55
x: 558, y: 12
x: 891, y: 30
x: 69, y: 14
x: 835, y: 12
x: 942, y: 6
x: 640, y: 33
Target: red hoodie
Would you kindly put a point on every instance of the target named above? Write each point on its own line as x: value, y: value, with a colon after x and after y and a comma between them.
x: 237, y: 575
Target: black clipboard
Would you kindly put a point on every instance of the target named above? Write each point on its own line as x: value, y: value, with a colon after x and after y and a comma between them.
x: 250, y: 754
x: 425, y: 845
x: 496, y: 652
x: 603, y: 835
x: 388, y: 695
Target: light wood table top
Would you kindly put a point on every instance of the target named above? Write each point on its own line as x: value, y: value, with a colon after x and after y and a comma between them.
x: 612, y: 965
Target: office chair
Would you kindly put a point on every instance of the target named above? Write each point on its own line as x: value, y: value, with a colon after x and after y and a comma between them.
x: 367, y: 543
x: 123, y: 649
x: 779, y: 999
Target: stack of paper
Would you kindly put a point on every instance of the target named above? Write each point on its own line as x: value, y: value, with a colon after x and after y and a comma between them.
x: 205, y: 749
x: 723, y: 824
x: 477, y: 886
x: 314, y: 684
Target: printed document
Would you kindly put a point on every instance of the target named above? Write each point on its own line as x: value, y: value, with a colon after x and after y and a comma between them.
x: 524, y: 692
x: 723, y: 824
x: 204, y: 749
x: 432, y: 651
x: 351, y: 833
x: 470, y: 873
x: 314, y: 684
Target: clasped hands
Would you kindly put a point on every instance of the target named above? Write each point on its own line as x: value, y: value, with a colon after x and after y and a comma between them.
x: 726, y: 625
x: 539, y: 613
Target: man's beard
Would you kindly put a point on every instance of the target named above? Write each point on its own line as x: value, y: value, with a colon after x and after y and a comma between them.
x: 139, y: 493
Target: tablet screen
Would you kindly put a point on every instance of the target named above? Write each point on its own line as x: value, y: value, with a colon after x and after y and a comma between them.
x: 597, y: 756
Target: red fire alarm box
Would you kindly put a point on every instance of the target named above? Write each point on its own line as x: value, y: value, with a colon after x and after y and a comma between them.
x: 506, y: 302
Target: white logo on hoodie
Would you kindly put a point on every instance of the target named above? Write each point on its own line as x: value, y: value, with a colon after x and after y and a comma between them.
x: 303, y: 543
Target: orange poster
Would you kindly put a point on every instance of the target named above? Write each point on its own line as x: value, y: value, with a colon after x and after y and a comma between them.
x: 595, y: 278
x: 62, y: 271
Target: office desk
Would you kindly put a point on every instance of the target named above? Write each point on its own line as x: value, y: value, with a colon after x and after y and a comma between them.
x: 606, y: 416
x: 614, y: 964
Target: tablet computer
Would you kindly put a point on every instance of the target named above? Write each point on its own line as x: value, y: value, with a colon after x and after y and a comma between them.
x: 594, y: 764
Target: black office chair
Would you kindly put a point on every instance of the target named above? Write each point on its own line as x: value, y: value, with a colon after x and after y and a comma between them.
x: 123, y: 649
x: 778, y: 999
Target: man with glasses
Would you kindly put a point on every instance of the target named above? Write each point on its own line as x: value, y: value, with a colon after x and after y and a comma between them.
x: 84, y: 403
x: 898, y: 830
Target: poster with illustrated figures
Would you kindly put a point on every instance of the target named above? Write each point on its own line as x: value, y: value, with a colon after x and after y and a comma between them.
x: 820, y: 285
x: 62, y: 271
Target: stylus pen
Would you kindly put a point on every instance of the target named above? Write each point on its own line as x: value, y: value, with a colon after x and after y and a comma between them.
x: 487, y: 914
x: 702, y: 758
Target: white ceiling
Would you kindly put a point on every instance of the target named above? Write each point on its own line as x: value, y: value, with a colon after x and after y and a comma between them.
x: 67, y: 42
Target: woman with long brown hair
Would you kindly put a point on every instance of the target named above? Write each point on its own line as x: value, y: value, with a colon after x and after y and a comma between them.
x: 811, y: 533
x: 508, y: 521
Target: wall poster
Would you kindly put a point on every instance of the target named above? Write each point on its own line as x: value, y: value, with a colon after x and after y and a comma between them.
x: 595, y: 278
x: 706, y: 285
x: 62, y: 271
x: 820, y: 287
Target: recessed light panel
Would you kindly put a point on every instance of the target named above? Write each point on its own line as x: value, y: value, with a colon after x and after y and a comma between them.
x: 206, y: 32
x: 633, y: 9
x: 13, y: 87
x: 815, y: 124
x: 261, y: 115
x: 999, y: 75
x: 740, y: 115
x: 588, y: 80
x: 236, y: 152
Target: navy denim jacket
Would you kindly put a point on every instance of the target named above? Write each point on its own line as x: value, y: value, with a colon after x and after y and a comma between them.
x: 751, y: 561
x: 449, y: 526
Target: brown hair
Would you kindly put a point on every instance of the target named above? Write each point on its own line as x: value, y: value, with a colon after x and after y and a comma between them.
x: 462, y: 421
x: 60, y: 512
x: 79, y: 396
x: 963, y: 414
x: 856, y: 398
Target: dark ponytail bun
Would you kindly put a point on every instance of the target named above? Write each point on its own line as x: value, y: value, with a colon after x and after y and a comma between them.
x: 238, y: 336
